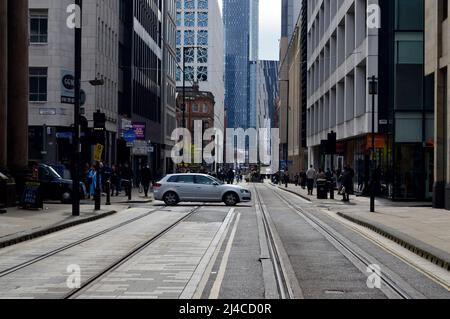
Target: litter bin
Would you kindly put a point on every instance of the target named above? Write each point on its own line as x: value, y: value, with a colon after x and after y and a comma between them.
x: 322, y: 189
x: 7, y: 191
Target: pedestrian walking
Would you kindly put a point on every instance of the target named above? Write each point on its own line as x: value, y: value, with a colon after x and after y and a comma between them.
x: 127, y: 179
x: 310, y: 178
x: 347, y: 183
x: 93, y: 181
x: 115, y: 180
x: 230, y: 176
x: 303, y: 179
x: 146, y: 179
x: 286, y: 178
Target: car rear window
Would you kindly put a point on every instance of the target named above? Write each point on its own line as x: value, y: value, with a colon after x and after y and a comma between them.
x: 173, y: 179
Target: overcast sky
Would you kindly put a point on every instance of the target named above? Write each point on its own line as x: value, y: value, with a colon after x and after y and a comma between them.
x: 269, y: 28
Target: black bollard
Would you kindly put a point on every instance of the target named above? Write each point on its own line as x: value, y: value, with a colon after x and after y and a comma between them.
x: 130, y: 189
x: 108, y: 193
x: 97, y: 195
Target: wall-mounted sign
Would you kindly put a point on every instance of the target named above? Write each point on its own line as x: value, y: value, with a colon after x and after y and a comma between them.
x: 139, y: 130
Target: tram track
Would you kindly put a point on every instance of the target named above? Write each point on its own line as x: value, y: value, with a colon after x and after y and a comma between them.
x: 127, y: 257
x: 283, y: 282
x: 336, y: 239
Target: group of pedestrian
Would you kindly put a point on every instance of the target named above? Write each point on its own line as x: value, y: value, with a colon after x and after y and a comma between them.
x: 227, y: 176
x: 343, y: 179
x: 120, y: 177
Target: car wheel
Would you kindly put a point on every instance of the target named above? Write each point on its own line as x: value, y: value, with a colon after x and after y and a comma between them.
x: 171, y: 199
x: 231, y: 199
x: 66, y: 197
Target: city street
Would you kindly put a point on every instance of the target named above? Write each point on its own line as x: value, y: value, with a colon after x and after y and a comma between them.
x: 277, y: 247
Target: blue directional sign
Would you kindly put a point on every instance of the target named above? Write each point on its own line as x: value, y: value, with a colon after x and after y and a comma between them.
x: 129, y: 136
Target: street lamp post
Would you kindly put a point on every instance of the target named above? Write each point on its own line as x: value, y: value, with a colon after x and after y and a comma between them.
x: 76, y: 135
x: 373, y: 90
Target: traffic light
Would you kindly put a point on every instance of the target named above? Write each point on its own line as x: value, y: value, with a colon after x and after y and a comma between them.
x: 99, y: 128
x: 99, y: 121
x: 331, y: 143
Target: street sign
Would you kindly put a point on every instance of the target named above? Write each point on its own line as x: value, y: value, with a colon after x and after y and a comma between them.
x: 129, y: 136
x: 98, y: 152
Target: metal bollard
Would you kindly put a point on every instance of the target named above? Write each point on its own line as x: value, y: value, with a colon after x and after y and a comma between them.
x: 108, y: 193
x: 130, y: 189
x: 97, y: 192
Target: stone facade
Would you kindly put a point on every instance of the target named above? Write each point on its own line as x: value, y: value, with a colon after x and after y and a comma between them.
x: 437, y: 61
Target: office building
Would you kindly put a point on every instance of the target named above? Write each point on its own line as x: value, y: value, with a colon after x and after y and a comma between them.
x: 200, y: 41
x: 241, y: 22
x: 342, y: 53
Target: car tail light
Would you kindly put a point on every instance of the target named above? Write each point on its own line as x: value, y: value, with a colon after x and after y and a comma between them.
x: 157, y: 185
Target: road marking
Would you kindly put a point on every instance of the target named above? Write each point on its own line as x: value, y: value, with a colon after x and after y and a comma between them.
x: 196, y: 285
x: 223, y: 265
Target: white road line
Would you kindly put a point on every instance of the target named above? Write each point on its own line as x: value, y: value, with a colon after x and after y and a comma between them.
x: 223, y: 265
x: 198, y: 280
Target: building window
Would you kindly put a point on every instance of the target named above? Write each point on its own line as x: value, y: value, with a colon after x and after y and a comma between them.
x: 203, y: 4
x: 38, y: 26
x: 189, y: 4
x: 202, y: 55
x: 202, y: 73
x: 205, y: 108
x: 410, y: 14
x: 38, y: 84
x: 189, y: 55
x: 178, y: 55
x: 189, y: 37
x: 189, y: 19
x: 189, y: 73
x: 178, y: 37
x: 179, y: 4
x: 409, y: 71
x: 194, y: 108
x: 178, y: 75
x: 178, y: 19
x: 202, y: 37
x: 203, y: 19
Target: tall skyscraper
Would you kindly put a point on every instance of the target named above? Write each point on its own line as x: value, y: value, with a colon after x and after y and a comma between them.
x: 241, y: 22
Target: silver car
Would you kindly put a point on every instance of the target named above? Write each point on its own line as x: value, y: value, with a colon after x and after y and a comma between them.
x: 177, y: 188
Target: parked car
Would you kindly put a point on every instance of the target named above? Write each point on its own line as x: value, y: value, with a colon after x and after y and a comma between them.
x: 177, y: 188
x: 54, y: 187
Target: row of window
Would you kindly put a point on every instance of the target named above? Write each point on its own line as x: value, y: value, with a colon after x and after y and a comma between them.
x: 189, y: 19
x: 189, y: 55
x: 200, y: 109
x: 191, y: 4
x: 199, y: 74
x: 189, y: 37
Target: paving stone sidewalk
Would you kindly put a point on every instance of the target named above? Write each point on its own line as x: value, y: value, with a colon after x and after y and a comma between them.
x: 19, y: 225
x: 416, y: 226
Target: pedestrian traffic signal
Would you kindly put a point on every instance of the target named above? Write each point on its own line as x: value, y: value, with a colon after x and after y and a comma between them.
x: 99, y: 121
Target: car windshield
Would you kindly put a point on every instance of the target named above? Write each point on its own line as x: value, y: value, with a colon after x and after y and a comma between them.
x: 53, y: 173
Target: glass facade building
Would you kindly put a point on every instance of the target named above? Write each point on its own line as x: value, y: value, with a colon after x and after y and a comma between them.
x: 241, y: 46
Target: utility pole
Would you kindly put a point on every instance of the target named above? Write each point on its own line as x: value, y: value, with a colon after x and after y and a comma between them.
x: 76, y: 128
x: 373, y: 90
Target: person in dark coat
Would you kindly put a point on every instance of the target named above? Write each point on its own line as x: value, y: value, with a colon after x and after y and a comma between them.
x: 146, y: 178
x: 230, y: 176
x: 347, y: 183
x: 127, y: 179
